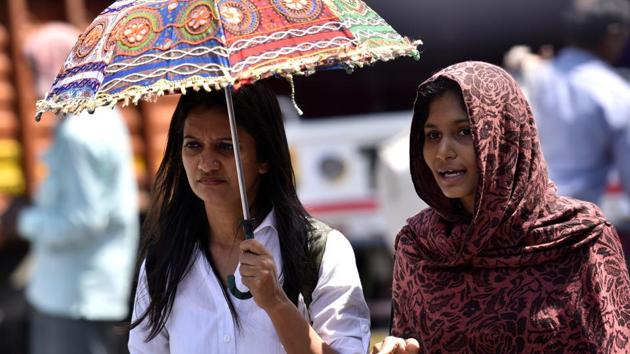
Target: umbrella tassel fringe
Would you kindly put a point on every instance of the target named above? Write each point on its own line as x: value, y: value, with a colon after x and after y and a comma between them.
x: 295, y: 105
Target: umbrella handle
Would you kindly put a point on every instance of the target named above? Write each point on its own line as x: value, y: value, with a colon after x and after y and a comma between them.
x: 248, y: 227
x: 237, y: 293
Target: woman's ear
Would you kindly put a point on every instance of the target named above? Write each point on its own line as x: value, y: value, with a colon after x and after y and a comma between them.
x: 263, y: 168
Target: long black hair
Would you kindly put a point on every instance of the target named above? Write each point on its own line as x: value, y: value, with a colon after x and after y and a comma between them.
x: 176, y: 225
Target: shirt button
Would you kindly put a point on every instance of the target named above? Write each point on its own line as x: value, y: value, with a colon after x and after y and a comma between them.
x: 226, y: 338
x: 365, y: 328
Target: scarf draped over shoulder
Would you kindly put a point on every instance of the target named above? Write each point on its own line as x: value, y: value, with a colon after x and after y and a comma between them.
x: 528, y: 271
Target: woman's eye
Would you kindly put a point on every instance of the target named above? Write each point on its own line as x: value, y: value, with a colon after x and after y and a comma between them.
x: 191, y: 145
x: 432, y: 135
x: 226, y: 146
x: 465, y: 131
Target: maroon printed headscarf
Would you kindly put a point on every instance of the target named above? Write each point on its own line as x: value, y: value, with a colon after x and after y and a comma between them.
x: 528, y: 271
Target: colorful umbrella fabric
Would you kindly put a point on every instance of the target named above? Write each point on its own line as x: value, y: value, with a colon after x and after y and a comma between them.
x: 142, y: 49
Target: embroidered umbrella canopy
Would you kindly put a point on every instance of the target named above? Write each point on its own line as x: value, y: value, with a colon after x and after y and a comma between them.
x: 141, y: 49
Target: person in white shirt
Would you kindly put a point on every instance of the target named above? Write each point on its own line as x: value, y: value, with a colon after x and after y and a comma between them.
x: 194, y: 239
x: 83, y: 225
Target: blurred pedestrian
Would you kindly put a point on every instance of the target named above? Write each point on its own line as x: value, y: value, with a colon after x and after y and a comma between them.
x: 307, y: 295
x: 83, y: 225
x: 499, y: 263
x: 581, y: 103
x: 582, y: 106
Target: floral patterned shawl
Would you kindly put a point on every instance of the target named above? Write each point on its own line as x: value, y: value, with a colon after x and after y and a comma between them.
x: 529, y: 271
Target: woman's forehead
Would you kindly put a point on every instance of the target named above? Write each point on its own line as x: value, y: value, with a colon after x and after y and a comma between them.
x: 447, y: 108
x: 207, y: 122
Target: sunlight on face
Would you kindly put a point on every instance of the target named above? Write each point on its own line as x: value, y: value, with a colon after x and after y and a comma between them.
x: 449, y: 150
x: 208, y: 158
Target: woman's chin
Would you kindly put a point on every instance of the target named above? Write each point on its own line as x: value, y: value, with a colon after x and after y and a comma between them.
x: 453, y: 193
x: 212, y: 196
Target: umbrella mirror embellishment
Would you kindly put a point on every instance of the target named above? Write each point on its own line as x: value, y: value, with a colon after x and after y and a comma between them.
x: 142, y: 49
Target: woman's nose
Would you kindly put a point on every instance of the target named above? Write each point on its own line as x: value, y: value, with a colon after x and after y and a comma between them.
x: 445, y: 149
x: 208, y: 163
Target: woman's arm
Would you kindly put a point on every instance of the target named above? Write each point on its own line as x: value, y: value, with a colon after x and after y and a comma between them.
x: 295, y: 333
x: 258, y: 273
x: 339, y: 314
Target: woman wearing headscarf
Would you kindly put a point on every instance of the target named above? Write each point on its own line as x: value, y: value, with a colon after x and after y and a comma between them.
x: 499, y: 263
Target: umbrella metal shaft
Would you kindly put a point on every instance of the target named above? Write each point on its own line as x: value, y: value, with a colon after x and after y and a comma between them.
x: 247, y: 222
x: 237, y: 152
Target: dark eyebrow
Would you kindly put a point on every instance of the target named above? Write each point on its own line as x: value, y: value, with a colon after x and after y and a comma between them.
x: 189, y: 136
x: 227, y: 138
x: 459, y: 121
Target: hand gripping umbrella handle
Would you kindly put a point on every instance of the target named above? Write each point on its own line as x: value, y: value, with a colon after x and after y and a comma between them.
x: 249, y: 234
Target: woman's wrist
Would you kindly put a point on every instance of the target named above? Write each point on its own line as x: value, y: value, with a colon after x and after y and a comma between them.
x: 279, y: 305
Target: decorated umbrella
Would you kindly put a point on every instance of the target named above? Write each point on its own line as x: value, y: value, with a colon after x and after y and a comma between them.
x: 141, y: 49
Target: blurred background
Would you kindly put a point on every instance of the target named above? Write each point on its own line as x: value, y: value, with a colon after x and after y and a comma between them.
x: 349, y: 148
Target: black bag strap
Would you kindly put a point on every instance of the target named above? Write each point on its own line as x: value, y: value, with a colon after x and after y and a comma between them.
x: 317, y: 246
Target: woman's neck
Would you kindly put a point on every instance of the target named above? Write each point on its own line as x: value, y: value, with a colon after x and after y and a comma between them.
x: 468, y: 203
x: 225, y: 226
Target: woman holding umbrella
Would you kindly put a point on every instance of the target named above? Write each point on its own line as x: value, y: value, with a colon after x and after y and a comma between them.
x: 194, y: 238
x: 499, y: 263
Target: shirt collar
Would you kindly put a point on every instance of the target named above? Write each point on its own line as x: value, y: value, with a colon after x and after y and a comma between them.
x: 268, y: 222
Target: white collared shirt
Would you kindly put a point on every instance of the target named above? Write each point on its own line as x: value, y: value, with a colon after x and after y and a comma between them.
x: 200, y: 321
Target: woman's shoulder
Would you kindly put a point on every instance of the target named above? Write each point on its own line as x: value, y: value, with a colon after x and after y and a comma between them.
x: 319, y: 226
x: 422, y: 216
x: 414, y: 226
x: 328, y: 236
x: 408, y: 246
x: 582, y: 210
x: 337, y: 240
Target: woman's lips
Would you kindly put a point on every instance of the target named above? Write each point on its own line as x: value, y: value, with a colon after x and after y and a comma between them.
x: 211, y: 181
x: 452, y: 176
